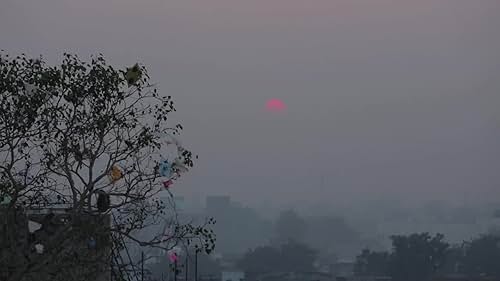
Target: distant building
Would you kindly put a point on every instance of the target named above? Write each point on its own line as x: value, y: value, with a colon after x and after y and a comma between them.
x: 180, y: 203
x: 343, y: 268
x: 295, y: 276
x: 208, y: 277
x: 370, y: 278
x: 216, y: 204
x: 458, y: 277
x: 313, y: 276
x: 232, y: 276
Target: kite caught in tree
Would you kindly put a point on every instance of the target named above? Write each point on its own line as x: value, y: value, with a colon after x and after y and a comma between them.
x: 133, y: 74
x: 6, y: 199
x: 39, y: 248
x: 167, y: 184
x: 165, y: 169
x: 173, y: 257
x: 115, y: 174
x: 174, y: 140
x: 179, y: 166
x: 173, y: 254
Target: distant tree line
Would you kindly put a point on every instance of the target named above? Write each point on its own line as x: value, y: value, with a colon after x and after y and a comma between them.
x: 291, y: 256
x: 420, y: 256
x: 240, y: 228
x: 327, y: 234
x: 415, y: 257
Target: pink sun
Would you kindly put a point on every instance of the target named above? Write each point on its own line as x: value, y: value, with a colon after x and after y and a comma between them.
x: 275, y: 105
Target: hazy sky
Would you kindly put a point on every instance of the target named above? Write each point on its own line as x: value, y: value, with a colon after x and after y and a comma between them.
x: 385, y: 98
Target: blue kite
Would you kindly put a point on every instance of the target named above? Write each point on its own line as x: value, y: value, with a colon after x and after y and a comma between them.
x: 165, y: 169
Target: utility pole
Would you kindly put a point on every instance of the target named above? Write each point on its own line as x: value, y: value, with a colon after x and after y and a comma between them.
x: 186, y: 269
x: 142, y: 266
x: 196, y: 265
x: 175, y: 270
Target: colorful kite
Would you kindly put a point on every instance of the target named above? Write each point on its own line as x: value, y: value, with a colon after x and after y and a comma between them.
x: 4, y: 200
x: 174, y: 140
x: 33, y: 226
x: 167, y: 184
x: 39, y: 248
x: 133, y: 74
x: 115, y: 174
x: 165, y: 169
x: 173, y: 257
x: 173, y: 254
x: 179, y: 166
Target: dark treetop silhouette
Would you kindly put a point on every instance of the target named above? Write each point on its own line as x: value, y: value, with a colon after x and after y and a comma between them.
x: 77, y: 132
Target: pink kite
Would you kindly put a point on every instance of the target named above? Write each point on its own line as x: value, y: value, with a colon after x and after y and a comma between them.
x: 167, y: 184
x: 173, y: 257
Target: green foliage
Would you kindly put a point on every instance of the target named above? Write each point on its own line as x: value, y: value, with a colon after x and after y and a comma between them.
x: 417, y: 256
x: 414, y: 257
x: 64, y: 127
x: 482, y: 256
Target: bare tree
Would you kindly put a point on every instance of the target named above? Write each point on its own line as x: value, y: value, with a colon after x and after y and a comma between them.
x: 95, y: 141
